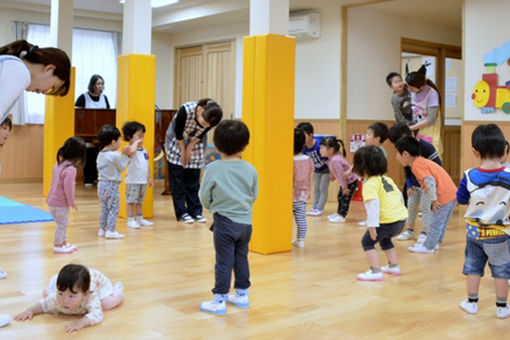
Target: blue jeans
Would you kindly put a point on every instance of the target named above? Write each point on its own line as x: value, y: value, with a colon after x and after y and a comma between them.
x: 231, y: 241
x: 496, y: 251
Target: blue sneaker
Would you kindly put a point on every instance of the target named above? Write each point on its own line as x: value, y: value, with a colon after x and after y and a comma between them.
x: 241, y: 301
x: 217, y: 308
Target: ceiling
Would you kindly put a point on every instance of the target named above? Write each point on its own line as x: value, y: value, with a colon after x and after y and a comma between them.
x: 190, y: 15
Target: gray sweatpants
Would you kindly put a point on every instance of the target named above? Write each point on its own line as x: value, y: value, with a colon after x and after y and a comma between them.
x: 438, y: 222
x: 419, y: 198
x: 320, y: 190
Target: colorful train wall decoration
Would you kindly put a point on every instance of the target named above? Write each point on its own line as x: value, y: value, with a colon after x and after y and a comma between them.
x: 487, y: 94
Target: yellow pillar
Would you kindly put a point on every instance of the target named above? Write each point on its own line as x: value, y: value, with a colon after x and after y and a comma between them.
x: 268, y: 110
x: 58, y: 126
x: 135, y: 101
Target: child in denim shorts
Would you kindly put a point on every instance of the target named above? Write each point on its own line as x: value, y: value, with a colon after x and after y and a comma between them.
x: 484, y: 189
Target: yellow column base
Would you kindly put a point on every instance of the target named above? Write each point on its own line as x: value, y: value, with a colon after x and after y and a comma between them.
x: 135, y: 101
x: 268, y: 110
x: 58, y: 127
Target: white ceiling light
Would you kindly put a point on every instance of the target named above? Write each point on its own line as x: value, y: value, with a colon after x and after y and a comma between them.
x: 158, y: 3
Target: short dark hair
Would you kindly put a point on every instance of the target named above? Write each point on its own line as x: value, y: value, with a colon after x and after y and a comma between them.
x: 212, y: 111
x: 489, y: 141
x: 231, y: 136
x: 380, y: 130
x: 8, y: 122
x: 397, y: 131
x: 130, y: 128
x: 74, y: 149
x: 370, y: 160
x: 107, y: 134
x: 93, y: 81
x: 74, y: 277
x: 299, y: 140
x: 306, y: 127
x: 409, y: 144
x: 390, y: 77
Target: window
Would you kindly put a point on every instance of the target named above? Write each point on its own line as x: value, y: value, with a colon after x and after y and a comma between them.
x: 94, y: 52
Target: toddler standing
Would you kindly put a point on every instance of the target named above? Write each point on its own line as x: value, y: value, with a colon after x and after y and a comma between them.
x: 303, y: 169
x: 338, y: 165
x: 138, y: 175
x: 228, y: 190
x: 61, y: 196
x: 321, y: 172
x: 486, y: 191
x: 110, y: 165
x: 386, y: 212
x: 437, y: 184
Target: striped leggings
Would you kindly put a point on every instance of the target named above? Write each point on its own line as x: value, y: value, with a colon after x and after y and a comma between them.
x: 299, y: 209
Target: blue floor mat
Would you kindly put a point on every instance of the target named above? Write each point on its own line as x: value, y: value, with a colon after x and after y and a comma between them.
x: 12, y: 212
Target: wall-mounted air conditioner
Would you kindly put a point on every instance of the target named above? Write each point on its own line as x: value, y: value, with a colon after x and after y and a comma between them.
x: 305, y: 26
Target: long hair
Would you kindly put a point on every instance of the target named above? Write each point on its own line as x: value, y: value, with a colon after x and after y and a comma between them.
x: 45, y: 56
x: 418, y: 79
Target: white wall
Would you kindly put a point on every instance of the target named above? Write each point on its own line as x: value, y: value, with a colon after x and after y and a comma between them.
x: 486, y: 27
x: 374, y: 51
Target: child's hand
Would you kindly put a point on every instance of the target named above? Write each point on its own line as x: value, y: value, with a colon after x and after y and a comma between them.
x: 410, y: 192
x: 373, y: 233
x: 77, y: 325
x: 332, y: 178
x: 74, y: 207
x: 436, y: 206
x: 150, y: 183
x: 26, y: 315
x: 346, y: 191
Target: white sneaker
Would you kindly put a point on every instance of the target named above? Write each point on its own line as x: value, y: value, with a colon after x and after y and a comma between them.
x: 113, y: 234
x: 420, y: 248
x: 310, y: 212
x: 421, y: 239
x: 314, y: 212
x: 217, y: 308
x: 100, y: 232
x: 186, y: 219
x: 406, y: 235
x: 5, y: 319
x: 133, y: 224
x: 3, y: 274
x: 503, y: 312
x: 238, y: 300
x: 470, y: 307
x: 337, y: 219
x: 333, y: 215
x: 144, y: 222
x: 200, y: 219
x: 370, y: 276
x: 300, y: 243
x: 391, y: 270
x: 65, y: 249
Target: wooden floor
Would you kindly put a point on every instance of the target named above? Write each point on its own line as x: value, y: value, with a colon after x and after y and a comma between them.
x: 309, y: 293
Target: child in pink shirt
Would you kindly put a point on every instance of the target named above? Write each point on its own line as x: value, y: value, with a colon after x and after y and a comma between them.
x: 303, y: 170
x: 338, y: 166
x: 61, y: 196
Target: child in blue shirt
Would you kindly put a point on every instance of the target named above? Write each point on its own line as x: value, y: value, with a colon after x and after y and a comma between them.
x: 321, y: 173
x: 486, y: 190
x: 229, y: 189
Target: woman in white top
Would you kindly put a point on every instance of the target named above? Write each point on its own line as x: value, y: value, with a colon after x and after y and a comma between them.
x: 24, y: 66
x: 92, y: 99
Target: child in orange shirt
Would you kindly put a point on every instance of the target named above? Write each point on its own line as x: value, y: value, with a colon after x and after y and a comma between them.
x: 438, y: 185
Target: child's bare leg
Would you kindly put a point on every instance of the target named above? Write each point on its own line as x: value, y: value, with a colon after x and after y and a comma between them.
x: 473, y: 284
x: 130, y: 210
x: 138, y: 209
x: 391, y: 254
x: 114, y: 299
x: 373, y: 259
x: 501, y: 288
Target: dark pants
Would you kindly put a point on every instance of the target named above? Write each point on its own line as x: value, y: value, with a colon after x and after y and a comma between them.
x: 384, y: 234
x: 231, y: 241
x: 184, y: 185
x: 90, y: 168
x: 345, y: 200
